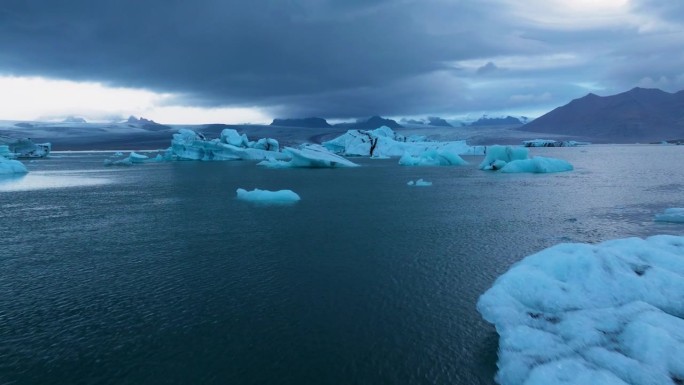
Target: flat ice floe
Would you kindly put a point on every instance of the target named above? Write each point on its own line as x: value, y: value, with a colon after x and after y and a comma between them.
x: 266, y: 196
x: 419, y: 183
x: 308, y: 156
x: 675, y: 215
x: 537, y: 165
x: 610, y: 313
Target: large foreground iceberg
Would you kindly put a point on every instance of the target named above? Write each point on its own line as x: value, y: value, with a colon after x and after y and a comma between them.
x: 310, y: 156
x: 190, y: 145
x: 384, y: 142
x: 610, y: 313
x: 511, y: 159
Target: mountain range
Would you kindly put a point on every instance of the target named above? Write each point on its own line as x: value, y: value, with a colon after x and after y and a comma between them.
x: 638, y: 115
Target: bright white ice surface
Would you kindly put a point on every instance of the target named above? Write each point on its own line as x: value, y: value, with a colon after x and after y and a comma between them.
x: 266, y: 196
x: 609, y: 313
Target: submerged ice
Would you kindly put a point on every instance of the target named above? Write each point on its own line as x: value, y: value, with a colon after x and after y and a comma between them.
x: 610, y: 313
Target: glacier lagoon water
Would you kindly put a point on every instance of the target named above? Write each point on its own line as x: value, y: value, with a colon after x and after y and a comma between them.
x: 156, y: 273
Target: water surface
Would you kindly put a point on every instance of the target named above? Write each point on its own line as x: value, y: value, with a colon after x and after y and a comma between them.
x: 156, y: 273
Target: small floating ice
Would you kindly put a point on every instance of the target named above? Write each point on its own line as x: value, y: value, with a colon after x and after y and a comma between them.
x: 419, y: 183
x: 675, y: 215
x: 511, y: 159
x: 266, y: 196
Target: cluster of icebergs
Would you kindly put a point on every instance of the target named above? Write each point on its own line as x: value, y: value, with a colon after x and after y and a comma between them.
x: 381, y: 142
x: 609, y: 313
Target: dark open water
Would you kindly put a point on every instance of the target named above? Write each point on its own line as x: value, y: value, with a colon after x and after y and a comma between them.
x: 156, y: 274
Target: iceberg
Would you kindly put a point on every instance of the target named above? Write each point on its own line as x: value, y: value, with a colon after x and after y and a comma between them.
x: 310, y: 156
x: 190, y: 145
x: 432, y: 158
x: 497, y: 156
x: 607, y: 313
x: 675, y: 215
x: 384, y: 142
x: 266, y: 196
x: 25, y: 147
x: 511, y: 159
x: 11, y: 166
x: 537, y: 165
x: 419, y: 183
x: 553, y: 143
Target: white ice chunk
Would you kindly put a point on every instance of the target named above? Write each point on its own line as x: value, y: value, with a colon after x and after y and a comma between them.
x: 610, y: 313
x: 11, y: 166
x: 537, y: 165
x: 266, y: 196
x: 432, y: 158
x: 675, y: 214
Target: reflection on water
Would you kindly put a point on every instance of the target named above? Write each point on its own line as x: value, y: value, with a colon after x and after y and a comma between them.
x: 47, y: 180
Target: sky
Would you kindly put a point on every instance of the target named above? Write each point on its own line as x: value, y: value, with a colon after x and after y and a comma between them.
x: 228, y: 61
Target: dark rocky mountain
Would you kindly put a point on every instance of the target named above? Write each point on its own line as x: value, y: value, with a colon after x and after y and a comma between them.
x: 438, y: 122
x: 370, y: 124
x: 305, y: 122
x: 501, y: 121
x: 638, y: 115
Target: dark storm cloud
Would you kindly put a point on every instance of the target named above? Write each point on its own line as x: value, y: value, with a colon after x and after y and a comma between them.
x: 299, y: 57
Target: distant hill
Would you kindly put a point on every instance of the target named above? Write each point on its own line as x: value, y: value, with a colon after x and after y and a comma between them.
x: 438, y: 122
x: 305, y: 122
x: 74, y: 119
x: 500, y: 121
x: 370, y: 124
x: 638, y: 115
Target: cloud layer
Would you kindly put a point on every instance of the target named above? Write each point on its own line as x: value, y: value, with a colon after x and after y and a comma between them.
x: 341, y: 58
